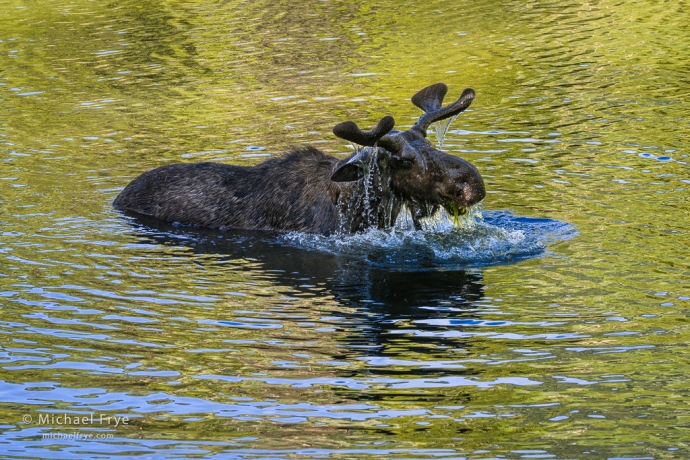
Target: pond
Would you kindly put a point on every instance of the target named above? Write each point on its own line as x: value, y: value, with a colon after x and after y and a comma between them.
x: 124, y: 337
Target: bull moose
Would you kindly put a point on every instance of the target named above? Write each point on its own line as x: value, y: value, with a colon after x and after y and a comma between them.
x: 308, y: 191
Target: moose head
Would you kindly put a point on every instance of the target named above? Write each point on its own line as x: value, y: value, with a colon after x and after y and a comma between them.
x: 418, y: 175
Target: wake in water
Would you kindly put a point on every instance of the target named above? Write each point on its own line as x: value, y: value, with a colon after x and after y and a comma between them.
x: 473, y: 239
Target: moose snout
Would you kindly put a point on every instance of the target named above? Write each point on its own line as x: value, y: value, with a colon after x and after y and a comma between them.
x: 463, y: 185
x: 474, y: 191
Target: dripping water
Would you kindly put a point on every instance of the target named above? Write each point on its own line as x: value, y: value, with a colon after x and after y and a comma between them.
x: 441, y: 128
x: 369, y: 202
x: 371, y: 171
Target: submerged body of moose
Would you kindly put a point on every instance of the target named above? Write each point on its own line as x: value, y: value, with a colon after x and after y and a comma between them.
x: 309, y: 191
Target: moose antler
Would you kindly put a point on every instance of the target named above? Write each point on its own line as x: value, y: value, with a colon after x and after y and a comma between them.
x: 349, y: 131
x: 430, y: 99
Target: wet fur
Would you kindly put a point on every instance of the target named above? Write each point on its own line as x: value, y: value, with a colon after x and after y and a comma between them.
x: 296, y: 192
x: 291, y: 193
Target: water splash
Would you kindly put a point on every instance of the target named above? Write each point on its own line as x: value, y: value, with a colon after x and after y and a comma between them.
x: 469, y: 237
x: 442, y: 222
x: 479, y: 238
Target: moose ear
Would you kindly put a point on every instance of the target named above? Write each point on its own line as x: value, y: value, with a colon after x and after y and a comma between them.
x: 349, y: 172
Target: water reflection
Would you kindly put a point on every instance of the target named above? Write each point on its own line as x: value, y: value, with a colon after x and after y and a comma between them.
x: 383, y: 300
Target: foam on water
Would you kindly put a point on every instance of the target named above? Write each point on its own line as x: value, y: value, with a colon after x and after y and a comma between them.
x: 477, y: 238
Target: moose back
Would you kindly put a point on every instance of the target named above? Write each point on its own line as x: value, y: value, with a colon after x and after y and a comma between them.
x: 308, y: 191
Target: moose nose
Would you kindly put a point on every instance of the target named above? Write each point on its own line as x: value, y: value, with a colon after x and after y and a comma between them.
x: 474, y: 191
x: 467, y: 184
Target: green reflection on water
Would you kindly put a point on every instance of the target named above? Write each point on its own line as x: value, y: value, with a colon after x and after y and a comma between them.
x: 580, y: 116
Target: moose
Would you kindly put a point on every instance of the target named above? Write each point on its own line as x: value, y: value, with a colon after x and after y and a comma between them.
x: 309, y: 191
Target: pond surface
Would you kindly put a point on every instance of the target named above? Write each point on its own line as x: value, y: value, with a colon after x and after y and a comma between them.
x: 573, y: 345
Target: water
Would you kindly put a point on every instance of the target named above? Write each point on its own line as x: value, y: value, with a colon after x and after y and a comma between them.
x: 441, y: 244
x: 556, y: 327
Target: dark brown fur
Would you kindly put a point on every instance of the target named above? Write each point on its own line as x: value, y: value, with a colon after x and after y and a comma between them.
x: 296, y: 192
x: 292, y: 193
